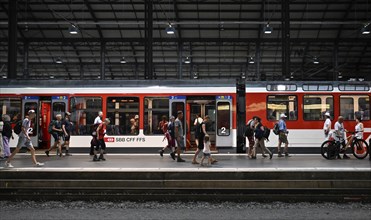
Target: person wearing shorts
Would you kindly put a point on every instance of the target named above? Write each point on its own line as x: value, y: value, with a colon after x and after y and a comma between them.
x: 67, y: 128
x: 101, y: 147
x: 179, y: 135
x: 25, y: 140
x: 282, y: 136
x: 57, y: 134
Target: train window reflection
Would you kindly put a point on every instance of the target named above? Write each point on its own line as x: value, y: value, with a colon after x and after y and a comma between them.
x: 124, y: 115
x: 155, y: 109
x: 315, y: 106
x: 354, y: 105
x: 223, y: 118
x: 83, y: 112
x: 11, y: 107
x: 278, y: 104
x: 59, y: 108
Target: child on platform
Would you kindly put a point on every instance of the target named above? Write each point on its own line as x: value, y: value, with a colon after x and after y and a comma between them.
x: 206, y: 152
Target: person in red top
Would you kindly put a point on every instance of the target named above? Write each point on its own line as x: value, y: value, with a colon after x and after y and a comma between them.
x: 162, y: 125
x: 101, y: 147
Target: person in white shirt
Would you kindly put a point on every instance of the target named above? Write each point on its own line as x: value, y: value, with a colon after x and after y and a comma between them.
x: 340, y: 136
x: 327, y: 125
x: 359, y: 129
x: 206, y: 152
x: 98, y: 119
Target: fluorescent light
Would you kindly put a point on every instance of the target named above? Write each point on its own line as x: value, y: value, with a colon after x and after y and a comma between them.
x: 170, y: 29
x: 123, y: 61
x: 243, y: 75
x: 73, y: 29
x: 365, y: 30
x: 315, y: 60
x: 58, y: 60
x: 51, y: 77
x: 4, y: 77
x: 268, y: 29
x: 251, y: 60
x: 281, y: 87
x: 187, y: 60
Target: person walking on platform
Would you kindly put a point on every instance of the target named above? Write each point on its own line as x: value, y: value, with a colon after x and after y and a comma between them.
x: 170, y: 137
x: 25, y: 140
x: 206, y: 152
x: 7, y: 134
x: 260, y: 140
x: 179, y: 135
x: 327, y: 125
x: 201, y: 132
x: 249, y: 134
x: 282, y: 136
x: 94, y: 140
x: 197, y: 124
x: 67, y: 128
x: 101, y: 131
x: 1, y: 138
x: 57, y: 133
x: 340, y: 136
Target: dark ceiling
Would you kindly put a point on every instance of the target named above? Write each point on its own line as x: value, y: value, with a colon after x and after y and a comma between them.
x: 219, y: 37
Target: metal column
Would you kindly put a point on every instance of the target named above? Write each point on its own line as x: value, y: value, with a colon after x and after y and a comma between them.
x: 149, y: 40
x: 102, y: 60
x: 12, y: 40
x: 25, y: 60
x: 285, y: 38
x: 180, y: 59
x: 241, y: 116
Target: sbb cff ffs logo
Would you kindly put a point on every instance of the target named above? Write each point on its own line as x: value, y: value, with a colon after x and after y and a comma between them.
x: 109, y: 139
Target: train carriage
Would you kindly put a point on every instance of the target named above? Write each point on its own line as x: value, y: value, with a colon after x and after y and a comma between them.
x: 146, y: 102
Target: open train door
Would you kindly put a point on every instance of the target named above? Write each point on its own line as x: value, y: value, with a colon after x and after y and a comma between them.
x: 31, y: 103
x: 178, y: 103
x: 224, y: 121
x: 59, y: 106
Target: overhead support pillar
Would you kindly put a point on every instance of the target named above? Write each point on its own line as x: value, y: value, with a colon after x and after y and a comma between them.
x: 149, y: 40
x: 285, y: 39
x: 25, y: 60
x: 180, y: 59
x: 336, y: 62
x: 102, y: 60
x: 241, y: 115
x: 257, y: 60
x: 12, y: 40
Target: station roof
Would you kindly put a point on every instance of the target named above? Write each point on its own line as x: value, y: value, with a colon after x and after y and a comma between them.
x: 220, y: 38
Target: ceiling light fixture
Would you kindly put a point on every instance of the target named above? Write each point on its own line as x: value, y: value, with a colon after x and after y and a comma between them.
x: 251, y: 60
x: 267, y: 29
x: 366, y: 30
x: 170, y: 30
x: 58, y: 60
x: 315, y: 60
x: 73, y: 29
x: 243, y: 75
x: 123, y: 60
x: 4, y: 77
x: 187, y: 60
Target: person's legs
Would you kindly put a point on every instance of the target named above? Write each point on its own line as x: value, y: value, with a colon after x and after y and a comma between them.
x: 6, y: 146
x: 251, y: 145
x: 102, y: 149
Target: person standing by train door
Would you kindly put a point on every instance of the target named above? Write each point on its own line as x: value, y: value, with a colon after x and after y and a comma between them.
x: 199, y: 137
x: 282, y: 136
x: 25, y: 140
x: 101, y: 131
x: 179, y: 136
x: 67, y: 128
x: 327, y: 125
x: 94, y: 141
x: 249, y: 134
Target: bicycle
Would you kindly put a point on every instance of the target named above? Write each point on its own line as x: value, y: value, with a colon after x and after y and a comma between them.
x: 331, y: 148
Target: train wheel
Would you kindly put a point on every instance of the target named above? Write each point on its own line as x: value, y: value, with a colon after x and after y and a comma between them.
x: 328, y: 150
x: 360, y: 149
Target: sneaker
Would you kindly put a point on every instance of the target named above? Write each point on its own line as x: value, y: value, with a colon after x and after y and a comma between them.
x: 95, y: 158
x: 270, y: 156
x: 8, y: 165
x: 161, y: 153
x: 287, y: 155
x: 47, y: 153
x: 101, y: 157
x: 346, y: 156
x: 38, y: 164
x: 172, y: 155
x: 195, y: 162
x: 280, y: 155
x: 180, y: 160
x: 263, y: 155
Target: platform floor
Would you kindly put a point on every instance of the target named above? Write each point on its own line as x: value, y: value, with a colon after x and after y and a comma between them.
x: 153, y: 162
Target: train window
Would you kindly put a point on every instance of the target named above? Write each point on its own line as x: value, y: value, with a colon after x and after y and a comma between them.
x: 59, y: 108
x: 355, y: 105
x: 278, y: 104
x: 11, y: 107
x: 124, y: 115
x: 154, y: 110
x: 223, y: 118
x: 354, y: 87
x: 83, y: 112
x: 317, y: 87
x: 315, y: 106
x: 281, y: 87
x: 32, y: 106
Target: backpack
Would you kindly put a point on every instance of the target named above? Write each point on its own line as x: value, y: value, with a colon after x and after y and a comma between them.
x: 18, y: 127
x: 276, y: 129
x: 266, y: 133
x: 248, y: 130
x: 50, y: 126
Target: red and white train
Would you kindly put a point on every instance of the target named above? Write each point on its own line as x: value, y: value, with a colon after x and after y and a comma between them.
x: 148, y: 101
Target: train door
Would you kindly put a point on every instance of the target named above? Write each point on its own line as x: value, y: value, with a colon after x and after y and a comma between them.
x: 45, y: 113
x: 177, y: 103
x: 224, y: 121
x: 31, y: 103
x: 59, y: 106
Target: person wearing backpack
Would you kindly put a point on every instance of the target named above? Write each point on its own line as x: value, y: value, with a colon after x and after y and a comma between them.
x: 249, y: 134
x: 259, y: 132
x: 7, y: 134
x: 25, y: 140
x: 57, y: 133
x: 282, y: 136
